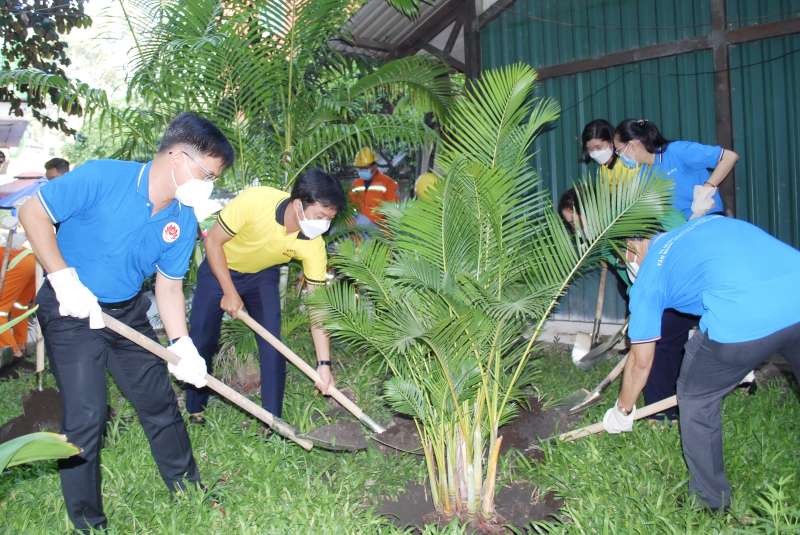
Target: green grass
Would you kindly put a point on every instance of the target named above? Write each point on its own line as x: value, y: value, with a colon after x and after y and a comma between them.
x: 612, y: 484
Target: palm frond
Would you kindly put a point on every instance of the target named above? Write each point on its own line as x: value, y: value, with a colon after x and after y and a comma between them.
x: 423, y: 82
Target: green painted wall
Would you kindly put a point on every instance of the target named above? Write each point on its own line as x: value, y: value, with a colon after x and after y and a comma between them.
x: 765, y: 89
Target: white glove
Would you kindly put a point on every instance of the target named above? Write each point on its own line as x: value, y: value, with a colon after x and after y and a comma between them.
x: 206, y: 208
x: 702, y: 200
x: 9, y: 222
x: 191, y: 368
x: 616, y: 422
x: 75, y: 299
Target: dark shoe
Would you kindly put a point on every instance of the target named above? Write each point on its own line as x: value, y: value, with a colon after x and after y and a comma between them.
x: 197, y: 418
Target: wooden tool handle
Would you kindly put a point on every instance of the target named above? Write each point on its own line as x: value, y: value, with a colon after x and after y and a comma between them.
x: 216, y: 385
x: 601, y: 297
x: 612, y: 375
x: 6, y: 257
x: 644, y: 412
x: 295, y: 359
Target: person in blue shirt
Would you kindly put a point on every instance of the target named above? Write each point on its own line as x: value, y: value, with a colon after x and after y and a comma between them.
x: 743, y: 284
x: 120, y: 223
x: 696, y: 169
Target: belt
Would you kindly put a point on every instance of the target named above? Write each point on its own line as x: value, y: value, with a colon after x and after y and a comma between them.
x: 120, y: 304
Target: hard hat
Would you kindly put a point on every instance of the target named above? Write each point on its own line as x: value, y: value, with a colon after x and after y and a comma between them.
x: 365, y: 158
x: 423, y: 184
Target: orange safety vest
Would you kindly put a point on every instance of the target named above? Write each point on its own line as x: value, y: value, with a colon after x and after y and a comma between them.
x: 382, y: 189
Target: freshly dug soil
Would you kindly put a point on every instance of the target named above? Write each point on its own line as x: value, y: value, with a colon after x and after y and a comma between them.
x: 17, y: 368
x: 334, y: 410
x: 517, y: 505
x: 534, y: 425
x: 400, y: 436
x: 531, y: 426
x: 342, y: 435
x: 41, y: 412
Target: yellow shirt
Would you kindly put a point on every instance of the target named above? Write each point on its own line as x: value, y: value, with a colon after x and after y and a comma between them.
x: 259, y: 241
x: 619, y: 174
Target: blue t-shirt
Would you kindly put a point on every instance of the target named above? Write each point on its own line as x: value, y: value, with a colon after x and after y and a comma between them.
x: 687, y: 164
x: 739, y: 279
x: 107, y: 232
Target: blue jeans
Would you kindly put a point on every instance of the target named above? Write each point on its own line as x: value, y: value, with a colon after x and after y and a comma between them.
x: 260, y: 293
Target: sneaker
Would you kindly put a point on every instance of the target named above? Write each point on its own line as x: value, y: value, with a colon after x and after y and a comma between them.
x: 197, y: 418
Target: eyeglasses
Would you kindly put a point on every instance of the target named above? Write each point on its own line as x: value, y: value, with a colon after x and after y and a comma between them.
x: 208, y: 176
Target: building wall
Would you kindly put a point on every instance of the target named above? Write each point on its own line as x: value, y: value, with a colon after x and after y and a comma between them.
x: 676, y: 92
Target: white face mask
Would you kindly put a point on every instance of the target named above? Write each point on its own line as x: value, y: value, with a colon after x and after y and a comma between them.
x: 192, y: 192
x: 601, y: 156
x: 632, y: 269
x: 312, y: 227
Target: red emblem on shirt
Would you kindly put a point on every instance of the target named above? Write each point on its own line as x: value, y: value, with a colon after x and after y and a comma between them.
x: 171, y: 232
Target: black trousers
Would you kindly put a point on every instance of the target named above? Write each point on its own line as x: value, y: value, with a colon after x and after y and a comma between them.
x: 261, y: 296
x: 79, y: 358
x: 711, y: 370
x: 663, y: 379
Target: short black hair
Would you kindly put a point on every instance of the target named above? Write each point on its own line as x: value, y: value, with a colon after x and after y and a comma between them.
x: 201, y: 134
x: 569, y: 201
x: 315, y: 185
x: 643, y: 130
x: 59, y: 164
x: 598, y: 129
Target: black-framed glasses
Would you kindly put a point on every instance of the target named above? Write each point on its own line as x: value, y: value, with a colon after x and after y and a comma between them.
x: 208, y: 176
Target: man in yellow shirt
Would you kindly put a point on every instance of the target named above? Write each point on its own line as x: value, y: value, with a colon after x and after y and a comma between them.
x: 257, y: 232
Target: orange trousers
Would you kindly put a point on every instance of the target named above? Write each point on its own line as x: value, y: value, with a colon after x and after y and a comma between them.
x: 17, y: 295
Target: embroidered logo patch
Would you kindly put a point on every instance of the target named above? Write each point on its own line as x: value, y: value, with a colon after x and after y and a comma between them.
x: 171, y: 232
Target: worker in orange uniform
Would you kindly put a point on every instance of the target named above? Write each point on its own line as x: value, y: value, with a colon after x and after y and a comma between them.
x: 371, y: 189
x: 17, y: 294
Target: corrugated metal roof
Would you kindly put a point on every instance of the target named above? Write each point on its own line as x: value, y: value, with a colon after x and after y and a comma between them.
x: 378, y: 25
x: 379, y: 31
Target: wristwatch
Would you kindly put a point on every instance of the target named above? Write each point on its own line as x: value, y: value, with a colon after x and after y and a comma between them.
x: 323, y: 363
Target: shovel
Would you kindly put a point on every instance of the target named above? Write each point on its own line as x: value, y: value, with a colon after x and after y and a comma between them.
x: 598, y: 352
x: 337, y: 437
x: 281, y: 427
x: 584, y: 342
x: 582, y: 399
x: 594, y: 396
x: 644, y: 412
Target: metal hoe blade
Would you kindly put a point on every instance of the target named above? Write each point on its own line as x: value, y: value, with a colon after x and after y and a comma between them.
x: 593, y: 357
x: 339, y: 436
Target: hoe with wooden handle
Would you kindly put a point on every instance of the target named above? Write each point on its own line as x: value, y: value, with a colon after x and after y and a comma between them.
x: 644, y: 412
x: 281, y: 427
x: 295, y: 359
x: 594, y: 395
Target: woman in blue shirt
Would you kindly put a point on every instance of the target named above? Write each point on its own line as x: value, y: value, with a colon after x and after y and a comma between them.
x: 696, y: 169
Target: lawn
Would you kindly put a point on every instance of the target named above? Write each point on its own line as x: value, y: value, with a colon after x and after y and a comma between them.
x: 611, y: 484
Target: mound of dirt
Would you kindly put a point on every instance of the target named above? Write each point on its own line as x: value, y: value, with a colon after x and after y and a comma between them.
x: 41, y: 412
x: 17, y: 368
x: 400, y: 436
x: 534, y: 425
x: 517, y: 505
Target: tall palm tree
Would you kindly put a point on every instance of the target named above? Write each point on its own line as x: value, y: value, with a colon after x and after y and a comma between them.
x: 262, y: 71
x: 445, y: 298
